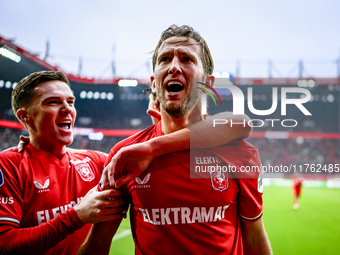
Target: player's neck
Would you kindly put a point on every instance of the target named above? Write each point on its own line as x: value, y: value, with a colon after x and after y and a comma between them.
x: 171, y: 124
x: 55, y: 149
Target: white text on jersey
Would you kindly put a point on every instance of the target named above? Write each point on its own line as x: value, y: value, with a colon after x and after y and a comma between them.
x: 183, y: 215
x: 207, y: 160
x: 46, y: 215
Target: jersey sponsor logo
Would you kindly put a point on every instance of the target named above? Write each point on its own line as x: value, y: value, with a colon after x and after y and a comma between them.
x: 6, y: 200
x: 85, y: 171
x: 219, y: 180
x: 207, y: 160
x: 48, y: 214
x: 183, y: 215
x: 143, y: 182
x: 1, y: 178
x: 42, y: 188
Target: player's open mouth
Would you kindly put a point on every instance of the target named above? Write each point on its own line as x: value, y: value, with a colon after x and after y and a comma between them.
x: 174, y: 87
x: 65, y: 125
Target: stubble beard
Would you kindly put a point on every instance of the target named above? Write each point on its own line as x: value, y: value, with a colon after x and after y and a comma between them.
x: 183, y: 108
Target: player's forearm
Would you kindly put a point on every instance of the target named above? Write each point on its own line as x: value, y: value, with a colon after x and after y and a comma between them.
x: 204, y: 134
x: 209, y: 133
x: 257, y: 248
x: 99, y: 239
x: 170, y: 143
x: 255, y: 239
x: 40, y: 238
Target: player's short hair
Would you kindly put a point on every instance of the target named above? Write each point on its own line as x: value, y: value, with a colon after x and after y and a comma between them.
x: 189, y: 32
x: 25, y: 89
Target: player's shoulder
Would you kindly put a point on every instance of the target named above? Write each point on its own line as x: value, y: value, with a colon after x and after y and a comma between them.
x: 141, y: 136
x: 11, y: 154
x: 83, y: 154
x: 244, y: 148
x: 238, y: 150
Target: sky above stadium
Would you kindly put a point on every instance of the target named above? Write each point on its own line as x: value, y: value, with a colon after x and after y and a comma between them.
x: 243, y: 35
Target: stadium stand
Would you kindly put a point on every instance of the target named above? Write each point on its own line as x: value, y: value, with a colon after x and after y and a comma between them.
x: 110, y: 110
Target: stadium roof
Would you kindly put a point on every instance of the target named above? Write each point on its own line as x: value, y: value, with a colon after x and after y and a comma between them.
x: 10, y: 49
x: 9, y: 45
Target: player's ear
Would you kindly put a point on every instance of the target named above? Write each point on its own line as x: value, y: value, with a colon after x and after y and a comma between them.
x: 22, y: 115
x: 152, y: 84
x: 210, y: 79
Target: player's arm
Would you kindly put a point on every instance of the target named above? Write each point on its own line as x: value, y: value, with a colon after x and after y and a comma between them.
x: 255, y: 239
x: 93, y: 208
x: 134, y: 159
x: 215, y: 131
x: 99, y: 239
x: 208, y: 133
x: 15, y: 240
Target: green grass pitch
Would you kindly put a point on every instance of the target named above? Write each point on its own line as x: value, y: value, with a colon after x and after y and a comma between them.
x: 313, y: 229
x: 122, y: 243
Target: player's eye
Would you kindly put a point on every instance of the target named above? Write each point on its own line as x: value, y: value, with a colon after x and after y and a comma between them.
x: 52, y: 102
x: 187, y: 59
x: 164, y: 59
x: 71, y: 102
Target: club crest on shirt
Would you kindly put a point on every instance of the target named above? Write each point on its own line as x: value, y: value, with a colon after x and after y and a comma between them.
x: 85, y: 171
x: 219, y: 180
x: 1, y: 178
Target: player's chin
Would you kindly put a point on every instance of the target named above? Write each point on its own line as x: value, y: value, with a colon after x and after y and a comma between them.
x: 66, y: 140
x: 174, y: 106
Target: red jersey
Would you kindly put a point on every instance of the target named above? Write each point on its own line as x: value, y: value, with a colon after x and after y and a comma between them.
x: 180, y: 208
x: 37, y: 195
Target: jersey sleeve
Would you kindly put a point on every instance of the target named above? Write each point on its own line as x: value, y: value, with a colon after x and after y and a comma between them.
x: 16, y: 240
x: 250, y: 196
x: 248, y: 176
x: 32, y: 240
x: 35, y: 240
x: 11, y: 187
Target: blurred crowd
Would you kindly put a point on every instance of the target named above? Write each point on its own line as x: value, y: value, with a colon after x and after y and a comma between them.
x: 272, y: 152
x: 300, y: 155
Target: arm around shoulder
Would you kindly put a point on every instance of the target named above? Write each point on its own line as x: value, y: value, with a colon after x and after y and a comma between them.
x: 207, y: 133
x: 219, y: 129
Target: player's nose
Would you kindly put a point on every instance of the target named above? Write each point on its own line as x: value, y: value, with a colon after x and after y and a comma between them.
x: 175, y: 67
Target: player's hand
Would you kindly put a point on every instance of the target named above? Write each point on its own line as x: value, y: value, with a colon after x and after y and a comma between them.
x: 127, y: 163
x: 98, y: 206
x: 154, y: 113
x: 24, y: 140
